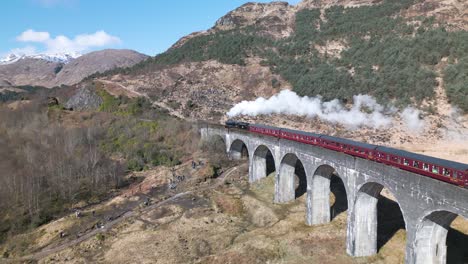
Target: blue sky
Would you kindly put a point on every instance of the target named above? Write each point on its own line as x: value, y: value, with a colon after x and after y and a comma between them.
x: 148, y: 26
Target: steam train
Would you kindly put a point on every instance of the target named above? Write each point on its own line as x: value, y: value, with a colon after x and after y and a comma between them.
x: 444, y: 170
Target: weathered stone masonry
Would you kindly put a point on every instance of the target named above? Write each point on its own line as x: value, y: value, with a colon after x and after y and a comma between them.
x: 428, y: 206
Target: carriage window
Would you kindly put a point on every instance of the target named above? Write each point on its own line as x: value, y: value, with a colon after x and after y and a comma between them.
x: 405, y: 162
x: 425, y: 166
x: 435, y: 169
x: 445, y: 172
x: 415, y: 164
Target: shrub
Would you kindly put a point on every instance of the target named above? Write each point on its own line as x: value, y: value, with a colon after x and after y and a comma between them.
x: 100, y: 237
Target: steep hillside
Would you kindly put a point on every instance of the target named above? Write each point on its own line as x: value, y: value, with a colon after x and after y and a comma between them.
x: 336, y: 49
x: 200, y: 90
x: 42, y: 72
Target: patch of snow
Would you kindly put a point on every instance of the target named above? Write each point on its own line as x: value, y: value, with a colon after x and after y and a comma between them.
x: 57, y: 57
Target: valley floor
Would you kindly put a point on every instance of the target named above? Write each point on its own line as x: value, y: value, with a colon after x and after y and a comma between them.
x: 222, y: 220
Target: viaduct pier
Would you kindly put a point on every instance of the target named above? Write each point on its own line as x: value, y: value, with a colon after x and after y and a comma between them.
x: 428, y: 206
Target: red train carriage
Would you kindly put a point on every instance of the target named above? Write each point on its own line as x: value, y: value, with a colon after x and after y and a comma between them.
x: 354, y: 148
x: 300, y: 136
x: 265, y: 130
x: 444, y: 170
x: 440, y: 169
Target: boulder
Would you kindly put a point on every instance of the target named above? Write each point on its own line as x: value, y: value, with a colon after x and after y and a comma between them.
x: 83, y: 100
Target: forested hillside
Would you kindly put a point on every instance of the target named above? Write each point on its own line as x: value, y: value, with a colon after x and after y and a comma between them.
x: 53, y: 160
x: 379, y: 53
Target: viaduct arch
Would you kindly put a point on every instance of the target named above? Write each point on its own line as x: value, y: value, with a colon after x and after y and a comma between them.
x: 427, y: 206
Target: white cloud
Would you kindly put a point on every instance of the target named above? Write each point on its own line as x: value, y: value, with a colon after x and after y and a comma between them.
x: 100, y: 38
x: 61, y: 43
x: 33, y: 36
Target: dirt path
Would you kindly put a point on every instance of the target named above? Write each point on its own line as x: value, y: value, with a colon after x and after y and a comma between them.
x: 47, y: 251
x: 117, y: 89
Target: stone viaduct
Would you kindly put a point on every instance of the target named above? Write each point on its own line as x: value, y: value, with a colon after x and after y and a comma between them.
x: 428, y: 206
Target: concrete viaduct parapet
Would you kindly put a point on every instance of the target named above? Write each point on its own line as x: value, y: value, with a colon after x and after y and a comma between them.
x: 428, y: 206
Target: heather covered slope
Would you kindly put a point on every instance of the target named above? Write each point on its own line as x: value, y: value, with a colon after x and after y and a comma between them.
x: 388, y: 49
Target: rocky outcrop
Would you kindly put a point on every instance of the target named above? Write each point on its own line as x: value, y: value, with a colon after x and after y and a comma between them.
x: 273, y: 19
x: 450, y: 12
x: 327, y: 3
x: 4, y: 83
x: 84, y: 99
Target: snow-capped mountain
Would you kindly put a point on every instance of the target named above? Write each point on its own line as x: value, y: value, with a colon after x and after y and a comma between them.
x: 49, y: 70
x: 57, y: 57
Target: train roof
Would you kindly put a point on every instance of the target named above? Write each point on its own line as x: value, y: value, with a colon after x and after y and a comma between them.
x: 424, y: 158
x: 301, y: 132
x: 264, y: 126
x: 349, y: 142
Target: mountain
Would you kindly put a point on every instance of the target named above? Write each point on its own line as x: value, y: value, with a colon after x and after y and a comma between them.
x: 58, y: 69
x: 29, y: 71
x: 398, y: 51
x: 97, y: 61
x: 58, y: 57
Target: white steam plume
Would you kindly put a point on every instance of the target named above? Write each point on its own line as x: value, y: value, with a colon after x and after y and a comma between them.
x: 364, y: 112
x: 412, y: 120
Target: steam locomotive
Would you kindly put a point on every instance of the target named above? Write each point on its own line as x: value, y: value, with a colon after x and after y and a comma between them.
x: 444, y: 170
